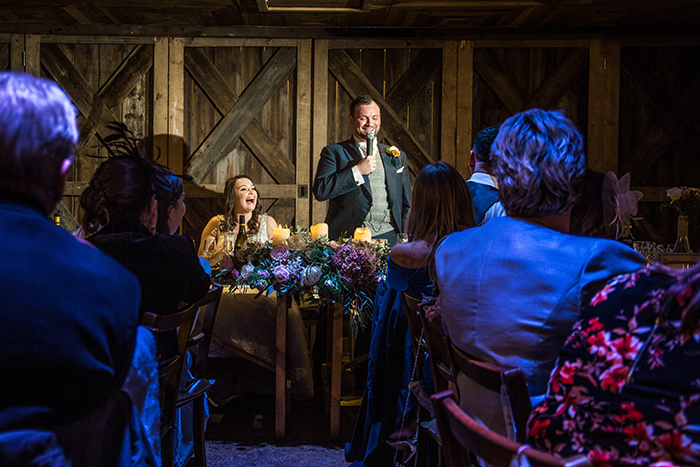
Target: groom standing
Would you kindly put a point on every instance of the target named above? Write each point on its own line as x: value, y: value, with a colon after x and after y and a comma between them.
x: 365, y: 188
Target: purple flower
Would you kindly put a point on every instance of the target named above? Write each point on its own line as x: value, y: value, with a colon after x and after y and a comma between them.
x: 279, y: 253
x: 263, y: 274
x: 281, y: 274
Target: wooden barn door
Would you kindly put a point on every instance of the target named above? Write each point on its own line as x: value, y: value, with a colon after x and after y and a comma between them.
x: 404, y: 78
x: 660, y: 130
x: 247, y: 111
x: 108, y: 79
x: 511, y: 77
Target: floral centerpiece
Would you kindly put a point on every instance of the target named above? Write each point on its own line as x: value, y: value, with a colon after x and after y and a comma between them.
x: 683, y: 199
x: 344, y: 270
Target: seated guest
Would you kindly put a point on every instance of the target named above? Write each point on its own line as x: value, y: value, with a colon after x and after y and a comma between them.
x: 69, y: 313
x: 625, y: 387
x: 511, y: 290
x: 121, y: 213
x: 483, y: 186
x: 241, y: 200
x: 246, y: 326
x: 441, y: 204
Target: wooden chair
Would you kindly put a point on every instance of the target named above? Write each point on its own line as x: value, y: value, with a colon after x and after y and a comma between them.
x: 170, y: 370
x: 425, y: 407
x: 198, y: 345
x: 438, y: 344
x: 462, y: 435
x: 196, y: 338
x: 495, y: 378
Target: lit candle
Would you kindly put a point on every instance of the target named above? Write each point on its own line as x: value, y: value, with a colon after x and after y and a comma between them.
x: 279, y: 235
x: 362, y: 233
x: 318, y: 231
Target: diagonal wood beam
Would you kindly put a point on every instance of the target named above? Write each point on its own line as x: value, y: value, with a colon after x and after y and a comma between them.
x: 222, y: 139
x: 355, y: 83
x: 665, y: 130
x: 419, y: 74
x: 499, y: 80
x: 91, y: 106
x: 216, y: 87
x: 560, y: 80
x: 657, y: 93
x: 132, y: 69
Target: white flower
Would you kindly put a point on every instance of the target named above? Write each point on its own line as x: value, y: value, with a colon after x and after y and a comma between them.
x: 674, y: 193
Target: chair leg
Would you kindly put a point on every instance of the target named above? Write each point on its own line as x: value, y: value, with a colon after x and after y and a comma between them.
x: 167, y: 447
x: 198, y: 429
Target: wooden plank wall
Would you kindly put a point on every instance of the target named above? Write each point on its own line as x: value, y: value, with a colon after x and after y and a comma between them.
x: 634, y: 100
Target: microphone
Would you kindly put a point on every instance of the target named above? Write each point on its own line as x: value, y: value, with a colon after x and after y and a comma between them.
x: 370, y: 142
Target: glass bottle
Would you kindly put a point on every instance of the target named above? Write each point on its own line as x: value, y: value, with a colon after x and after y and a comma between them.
x: 242, y: 237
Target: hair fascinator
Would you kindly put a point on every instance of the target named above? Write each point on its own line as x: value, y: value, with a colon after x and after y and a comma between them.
x: 619, y: 205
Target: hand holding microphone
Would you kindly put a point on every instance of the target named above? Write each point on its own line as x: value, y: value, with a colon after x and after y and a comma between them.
x: 369, y: 163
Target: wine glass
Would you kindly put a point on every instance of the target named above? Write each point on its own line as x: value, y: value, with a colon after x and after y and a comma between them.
x: 209, y: 247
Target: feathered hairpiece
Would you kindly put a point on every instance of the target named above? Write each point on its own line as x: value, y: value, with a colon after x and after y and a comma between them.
x: 619, y: 205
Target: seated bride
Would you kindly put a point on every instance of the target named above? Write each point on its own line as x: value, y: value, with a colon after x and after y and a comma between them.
x: 245, y: 326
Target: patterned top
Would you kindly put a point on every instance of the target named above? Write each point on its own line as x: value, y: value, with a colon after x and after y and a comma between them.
x: 626, y: 387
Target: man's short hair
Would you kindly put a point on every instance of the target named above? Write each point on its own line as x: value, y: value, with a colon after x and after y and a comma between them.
x: 482, y: 144
x: 539, y: 162
x: 364, y: 99
x: 37, y: 132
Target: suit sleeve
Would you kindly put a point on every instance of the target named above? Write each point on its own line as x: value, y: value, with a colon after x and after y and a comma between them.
x: 607, y: 260
x: 331, y: 179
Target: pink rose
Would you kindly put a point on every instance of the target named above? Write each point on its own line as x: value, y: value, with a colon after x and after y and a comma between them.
x: 226, y: 262
x: 281, y: 274
x: 279, y: 253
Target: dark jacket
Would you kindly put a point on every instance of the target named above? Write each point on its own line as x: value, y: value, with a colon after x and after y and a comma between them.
x: 349, y: 203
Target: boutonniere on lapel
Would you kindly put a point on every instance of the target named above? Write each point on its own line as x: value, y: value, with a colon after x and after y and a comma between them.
x: 393, y: 151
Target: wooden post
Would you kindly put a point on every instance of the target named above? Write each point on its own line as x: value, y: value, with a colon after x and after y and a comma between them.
x: 448, y: 140
x: 281, y: 366
x: 303, y: 118
x: 160, y: 94
x: 176, y: 104
x: 465, y: 97
x: 320, y: 120
x: 604, y: 105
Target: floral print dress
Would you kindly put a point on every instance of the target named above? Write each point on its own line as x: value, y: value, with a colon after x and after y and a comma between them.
x: 626, y: 387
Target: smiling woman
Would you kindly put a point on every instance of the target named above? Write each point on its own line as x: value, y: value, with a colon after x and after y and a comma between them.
x: 241, y: 200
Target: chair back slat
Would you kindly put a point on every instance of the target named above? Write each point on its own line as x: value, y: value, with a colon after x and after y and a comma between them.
x: 437, y: 343
x: 170, y: 369
x: 493, y: 378
x: 462, y: 435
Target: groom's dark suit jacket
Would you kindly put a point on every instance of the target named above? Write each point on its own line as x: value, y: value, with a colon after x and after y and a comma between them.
x: 350, y: 203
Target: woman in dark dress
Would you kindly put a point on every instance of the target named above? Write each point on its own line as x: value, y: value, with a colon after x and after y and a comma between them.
x: 121, y: 213
x: 441, y: 204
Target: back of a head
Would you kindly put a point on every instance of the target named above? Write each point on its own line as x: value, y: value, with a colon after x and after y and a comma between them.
x: 169, y: 189
x: 441, y: 203
x: 37, y: 134
x: 482, y: 144
x: 539, y: 162
x: 119, y: 192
